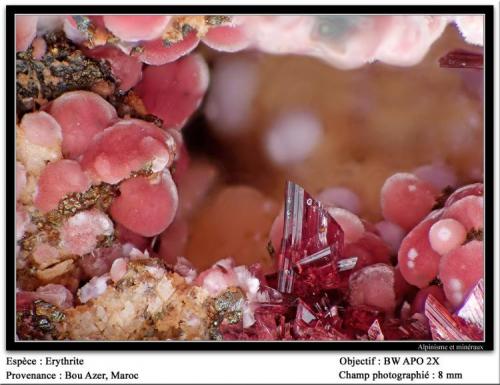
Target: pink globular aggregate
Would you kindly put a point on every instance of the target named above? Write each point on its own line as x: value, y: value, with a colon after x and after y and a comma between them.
x: 175, y: 90
x: 406, y: 199
x: 391, y: 233
x: 350, y: 223
x: 226, y: 38
x: 127, y: 69
x: 469, y: 211
x: 475, y: 189
x: 418, y: 262
x: 57, y: 180
x: 173, y: 240
x: 81, y: 115
x: 369, y: 249
x: 136, y: 27
x: 460, y: 269
x: 134, y: 155
x: 41, y: 129
x: 446, y: 235
x: 438, y: 175
x: 146, y: 207
x: 156, y: 52
x: 340, y: 197
x: 127, y: 236
x: 25, y: 31
x: 276, y: 232
x: 373, y: 286
x: 127, y: 146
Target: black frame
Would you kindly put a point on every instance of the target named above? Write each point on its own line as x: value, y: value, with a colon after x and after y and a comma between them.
x: 489, y: 138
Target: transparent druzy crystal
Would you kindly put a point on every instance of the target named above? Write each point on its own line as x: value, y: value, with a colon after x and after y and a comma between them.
x: 375, y: 332
x: 471, y: 314
x: 312, y: 244
x: 443, y: 326
x: 414, y: 328
x: 465, y: 325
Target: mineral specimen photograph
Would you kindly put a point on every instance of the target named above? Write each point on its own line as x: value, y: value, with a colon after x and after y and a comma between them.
x: 248, y: 177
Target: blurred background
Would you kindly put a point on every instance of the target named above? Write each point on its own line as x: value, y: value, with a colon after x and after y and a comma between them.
x: 267, y: 119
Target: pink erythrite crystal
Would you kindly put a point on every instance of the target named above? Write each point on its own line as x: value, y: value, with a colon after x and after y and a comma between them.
x: 418, y: 262
x: 157, y: 52
x: 462, y: 59
x: 460, y: 270
x: 25, y: 31
x: 414, y: 328
x: 185, y: 269
x: 127, y: 236
x: 446, y: 235
x: 99, y: 260
x: 146, y: 207
x: 405, y: 199
x: 127, y: 69
x: 56, y: 295
x: 442, y: 325
x: 350, y: 223
x: 79, y: 233
x: 373, y: 286
x: 358, y: 319
x: 216, y: 279
x: 312, y: 243
x: 136, y: 27
x: 276, y: 232
x: 226, y: 38
x: 475, y: 189
x: 271, y: 301
x: 41, y: 129
x: 469, y: 211
x: 127, y: 146
x: 93, y: 288
x: 304, y: 315
x: 174, y: 91
x: 81, y: 115
x: 402, y: 288
x: 376, y: 246
x: 118, y: 269
x: 173, y: 240
x: 58, y: 179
